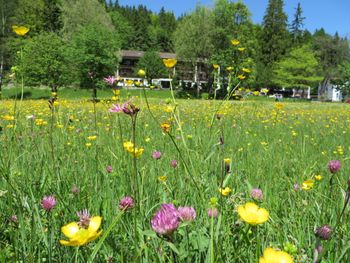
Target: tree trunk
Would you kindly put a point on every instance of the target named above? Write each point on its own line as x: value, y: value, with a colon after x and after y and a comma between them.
x: 322, y: 88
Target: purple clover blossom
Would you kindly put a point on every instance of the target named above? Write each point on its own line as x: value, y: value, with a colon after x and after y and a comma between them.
x: 324, y: 232
x: 156, y: 155
x: 48, y: 203
x: 166, y: 220
x: 109, y: 169
x: 84, y: 218
x: 212, y: 212
x: 126, y: 203
x: 187, y: 213
x: 110, y: 80
x: 257, y: 194
x: 334, y: 166
x: 173, y: 164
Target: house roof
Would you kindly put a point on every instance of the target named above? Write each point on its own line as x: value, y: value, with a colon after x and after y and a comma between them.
x: 139, y: 54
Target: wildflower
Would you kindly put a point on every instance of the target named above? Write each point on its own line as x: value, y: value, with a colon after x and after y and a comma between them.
x: 227, y: 165
x: 156, y: 155
x: 296, y: 187
x: 187, y: 213
x: 318, y: 177
x: 279, y: 106
x: 80, y: 235
x: 235, y: 42
x: 257, y: 194
x: 92, y: 138
x: 246, y: 70
x: 212, y: 212
x: 14, y: 219
x: 129, y: 146
x: 274, y: 256
x: 241, y: 49
x: 141, y: 73
x: 334, y: 166
x: 137, y: 152
x: 225, y: 191
x: 324, y: 232
x: 252, y: 214
x: 216, y: 66
x: 229, y: 68
x: 308, y: 184
x: 126, y: 203
x: 48, y: 203
x: 20, y: 30
x: 170, y: 63
x: 110, y: 80
x: 162, y: 178
x: 166, y: 220
x: 241, y: 76
x: 127, y: 108
x: 173, y: 163
x: 109, y: 169
x: 165, y: 127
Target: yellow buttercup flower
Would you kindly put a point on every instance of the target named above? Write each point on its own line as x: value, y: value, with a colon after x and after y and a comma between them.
x: 129, y: 146
x: 274, y: 256
x: 20, y: 30
x: 308, y: 184
x: 252, y: 214
x: 227, y: 160
x: 225, y: 191
x: 79, y: 236
x: 318, y: 177
x: 235, y: 42
x: 241, y: 49
x: 247, y: 70
x: 170, y: 62
x: 8, y: 117
x: 216, y: 66
x: 92, y: 138
x: 229, y: 68
x: 137, y: 152
x: 279, y: 106
x: 241, y: 77
x: 141, y: 73
x: 162, y: 179
x: 116, y: 92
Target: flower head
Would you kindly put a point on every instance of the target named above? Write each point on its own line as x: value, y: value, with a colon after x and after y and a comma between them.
x: 109, y: 169
x: 308, y: 184
x: 156, y: 155
x: 173, y: 163
x: 127, y: 107
x: 274, y: 256
x: 20, y: 30
x: 216, y: 66
x: 252, y: 214
x: 212, y: 212
x: 257, y: 194
x: 166, y: 220
x: 334, y: 166
x: 165, y: 127
x: 110, y: 80
x: 126, y: 203
x: 141, y: 73
x: 80, y: 235
x: 48, y: 203
x: 225, y: 191
x: 187, y: 213
x: 235, y: 42
x: 324, y: 232
x: 84, y: 218
x: 170, y: 62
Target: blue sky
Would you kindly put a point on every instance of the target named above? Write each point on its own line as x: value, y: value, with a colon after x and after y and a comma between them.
x: 331, y: 15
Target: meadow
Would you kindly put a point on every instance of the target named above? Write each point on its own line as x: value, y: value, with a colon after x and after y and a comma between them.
x: 210, y: 162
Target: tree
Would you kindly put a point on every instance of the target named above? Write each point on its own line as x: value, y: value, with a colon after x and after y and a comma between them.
x: 123, y: 28
x: 74, y: 19
x: 299, y: 69
x: 152, y: 64
x: 297, y: 25
x: 343, y: 84
x: 94, y: 54
x: 331, y: 52
x: 43, y: 61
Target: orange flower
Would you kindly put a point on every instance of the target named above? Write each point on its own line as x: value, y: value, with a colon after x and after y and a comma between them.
x: 165, y: 127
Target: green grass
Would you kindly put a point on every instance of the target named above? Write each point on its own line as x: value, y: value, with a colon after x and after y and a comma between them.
x: 72, y: 93
x: 269, y: 149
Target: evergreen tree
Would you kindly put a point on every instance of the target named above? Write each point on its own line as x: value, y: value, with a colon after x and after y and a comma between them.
x: 52, y: 16
x: 274, y: 39
x: 297, y: 25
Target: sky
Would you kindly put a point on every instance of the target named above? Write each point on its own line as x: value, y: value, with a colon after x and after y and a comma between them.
x: 332, y: 15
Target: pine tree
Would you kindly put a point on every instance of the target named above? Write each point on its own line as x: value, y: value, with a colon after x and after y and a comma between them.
x: 297, y: 25
x: 274, y: 39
